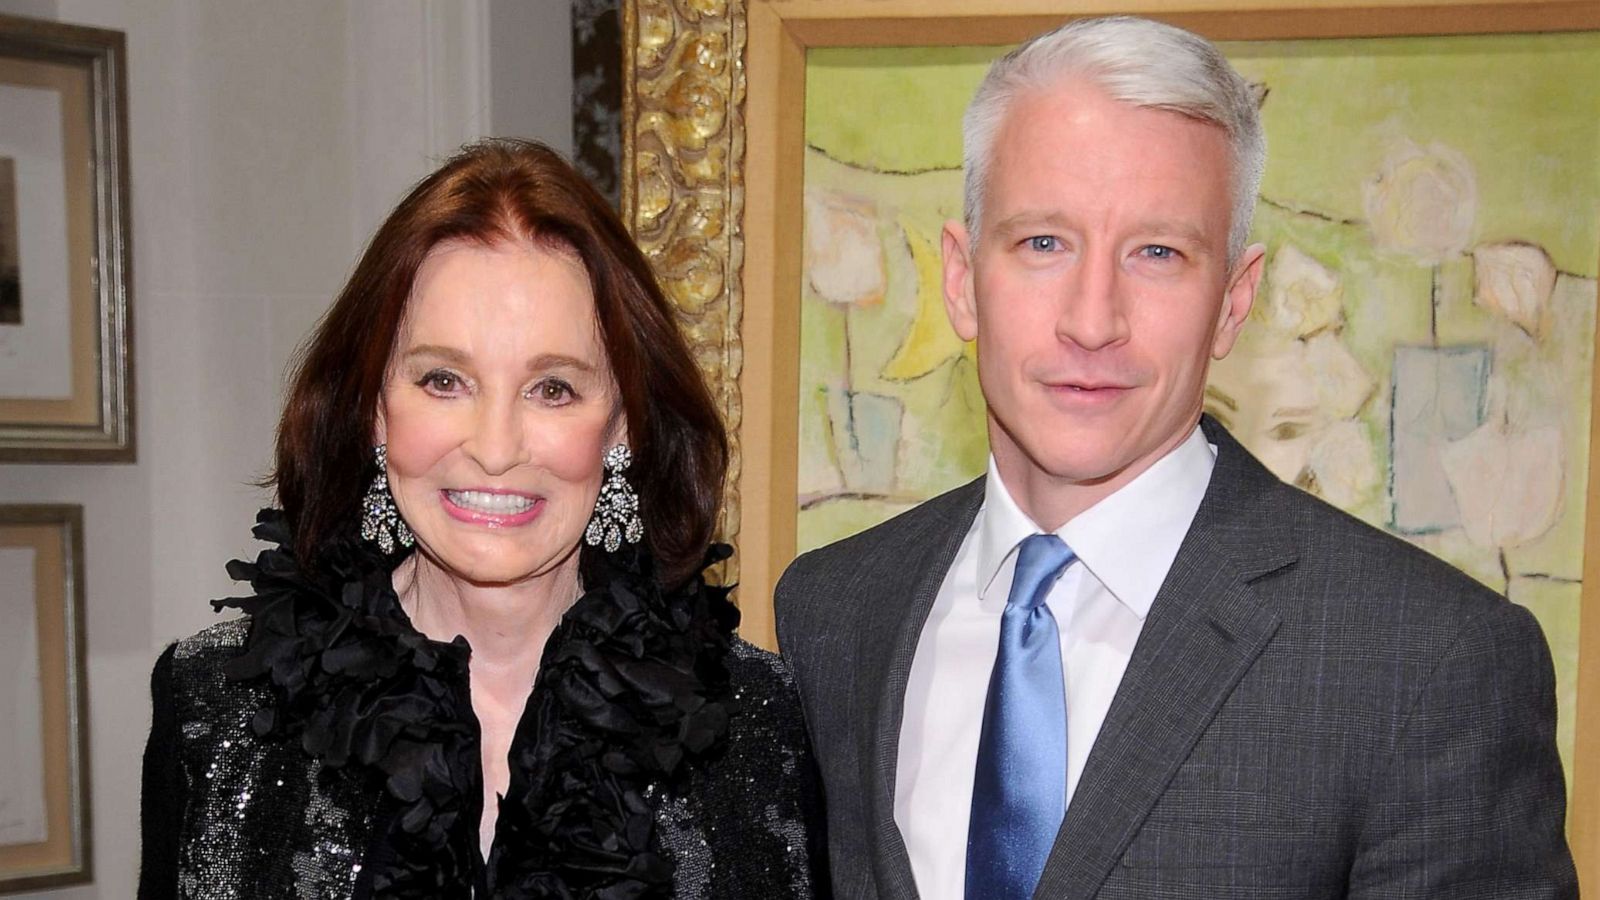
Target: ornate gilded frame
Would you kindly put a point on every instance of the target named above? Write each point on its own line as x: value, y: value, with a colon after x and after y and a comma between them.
x: 713, y: 139
x: 682, y: 185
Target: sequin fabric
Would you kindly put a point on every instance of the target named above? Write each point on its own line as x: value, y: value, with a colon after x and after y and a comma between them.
x: 730, y: 834
x: 261, y: 822
x: 266, y: 820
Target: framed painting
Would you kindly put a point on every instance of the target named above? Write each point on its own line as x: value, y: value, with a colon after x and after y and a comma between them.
x: 66, y: 364
x: 44, y: 786
x: 1422, y: 353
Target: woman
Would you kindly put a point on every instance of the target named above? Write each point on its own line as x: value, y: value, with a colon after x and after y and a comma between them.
x: 482, y: 660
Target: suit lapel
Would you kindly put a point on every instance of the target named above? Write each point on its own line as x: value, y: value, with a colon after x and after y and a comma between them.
x: 895, y: 607
x: 1205, y: 629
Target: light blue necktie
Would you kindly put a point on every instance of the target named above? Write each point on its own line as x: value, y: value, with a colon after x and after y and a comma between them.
x: 1019, y: 788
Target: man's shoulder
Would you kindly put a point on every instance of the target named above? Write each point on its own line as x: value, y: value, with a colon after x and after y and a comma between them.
x: 1344, y: 557
x: 884, y: 546
x: 824, y: 587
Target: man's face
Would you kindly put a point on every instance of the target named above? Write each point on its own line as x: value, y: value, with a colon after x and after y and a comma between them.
x: 1100, y: 288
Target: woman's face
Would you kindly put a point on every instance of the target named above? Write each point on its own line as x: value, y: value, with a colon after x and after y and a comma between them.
x: 497, y: 408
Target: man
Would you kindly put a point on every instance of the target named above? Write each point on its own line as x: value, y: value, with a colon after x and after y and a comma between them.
x: 1129, y: 662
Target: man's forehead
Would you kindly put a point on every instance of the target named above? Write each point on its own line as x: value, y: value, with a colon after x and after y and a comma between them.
x: 1071, y: 151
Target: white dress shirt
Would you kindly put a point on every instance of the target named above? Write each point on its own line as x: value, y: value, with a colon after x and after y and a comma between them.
x: 1125, y: 544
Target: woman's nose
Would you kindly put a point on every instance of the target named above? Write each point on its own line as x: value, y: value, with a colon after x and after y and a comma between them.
x: 497, y: 442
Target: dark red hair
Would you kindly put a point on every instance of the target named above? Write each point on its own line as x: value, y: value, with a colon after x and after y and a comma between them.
x: 492, y: 192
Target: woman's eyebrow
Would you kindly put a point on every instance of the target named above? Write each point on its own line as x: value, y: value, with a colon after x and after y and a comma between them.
x: 560, y: 361
x: 448, y: 354
x: 461, y: 358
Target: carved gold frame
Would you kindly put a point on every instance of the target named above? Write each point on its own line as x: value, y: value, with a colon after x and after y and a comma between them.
x: 713, y: 134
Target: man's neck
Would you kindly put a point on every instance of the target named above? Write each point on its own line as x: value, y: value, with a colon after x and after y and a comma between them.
x: 1050, y: 500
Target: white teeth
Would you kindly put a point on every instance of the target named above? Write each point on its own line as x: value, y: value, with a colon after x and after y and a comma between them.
x: 483, y: 501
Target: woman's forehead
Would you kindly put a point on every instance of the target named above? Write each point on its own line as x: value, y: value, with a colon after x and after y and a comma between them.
x: 501, y: 294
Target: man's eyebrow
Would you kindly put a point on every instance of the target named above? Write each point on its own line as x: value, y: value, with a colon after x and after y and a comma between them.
x: 1030, y: 218
x: 1182, y: 230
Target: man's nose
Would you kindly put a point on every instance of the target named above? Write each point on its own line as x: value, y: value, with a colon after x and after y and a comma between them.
x: 1092, y: 311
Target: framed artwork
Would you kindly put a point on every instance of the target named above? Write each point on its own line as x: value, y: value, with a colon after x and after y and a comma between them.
x: 44, y: 774
x: 66, y: 363
x: 1422, y: 352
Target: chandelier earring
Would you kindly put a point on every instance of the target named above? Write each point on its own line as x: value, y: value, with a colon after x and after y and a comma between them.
x: 616, y: 512
x: 380, y: 519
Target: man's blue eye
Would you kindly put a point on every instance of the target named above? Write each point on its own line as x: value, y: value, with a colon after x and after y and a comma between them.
x: 1043, y: 243
x: 1156, y: 251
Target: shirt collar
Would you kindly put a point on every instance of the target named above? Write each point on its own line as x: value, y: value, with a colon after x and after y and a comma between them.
x: 1127, y: 541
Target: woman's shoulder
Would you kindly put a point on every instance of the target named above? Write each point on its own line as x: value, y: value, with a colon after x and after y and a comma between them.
x: 764, y: 689
x: 227, y: 635
x: 190, y: 673
x: 766, y: 706
x: 205, y: 652
x: 758, y: 669
x: 749, y: 825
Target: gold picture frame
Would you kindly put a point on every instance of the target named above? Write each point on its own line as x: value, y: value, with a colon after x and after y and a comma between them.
x: 66, y: 363
x: 714, y: 143
x: 44, y: 771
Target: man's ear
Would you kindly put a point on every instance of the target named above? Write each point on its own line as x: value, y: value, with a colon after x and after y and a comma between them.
x: 960, y: 301
x: 1239, y: 297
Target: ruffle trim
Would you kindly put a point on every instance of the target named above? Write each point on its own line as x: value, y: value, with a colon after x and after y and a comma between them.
x: 632, y: 689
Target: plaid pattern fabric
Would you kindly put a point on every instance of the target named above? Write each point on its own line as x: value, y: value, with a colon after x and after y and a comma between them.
x: 1314, y: 709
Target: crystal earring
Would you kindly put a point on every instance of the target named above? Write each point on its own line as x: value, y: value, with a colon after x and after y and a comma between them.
x: 380, y: 520
x: 616, y: 512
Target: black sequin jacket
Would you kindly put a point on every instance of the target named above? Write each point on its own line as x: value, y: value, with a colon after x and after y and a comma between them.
x: 320, y: 747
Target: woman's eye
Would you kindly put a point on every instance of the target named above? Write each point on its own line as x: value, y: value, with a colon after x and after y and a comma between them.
x: 440, y: 381
x: 1044, y: 243
x: 553, y: 390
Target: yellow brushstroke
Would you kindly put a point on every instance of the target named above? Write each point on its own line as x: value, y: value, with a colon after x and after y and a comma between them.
x: 930, y: 342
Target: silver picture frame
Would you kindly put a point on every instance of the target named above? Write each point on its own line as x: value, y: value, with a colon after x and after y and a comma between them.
x: 63, y: 116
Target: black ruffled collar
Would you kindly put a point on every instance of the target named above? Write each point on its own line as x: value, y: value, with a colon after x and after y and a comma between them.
x: 632, y: 687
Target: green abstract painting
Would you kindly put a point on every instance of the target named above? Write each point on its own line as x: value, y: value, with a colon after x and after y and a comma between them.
x: 1420, y: 353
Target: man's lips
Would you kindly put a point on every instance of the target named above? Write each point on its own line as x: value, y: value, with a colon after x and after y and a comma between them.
x: 1086, y: 394
x: 1085, y: 386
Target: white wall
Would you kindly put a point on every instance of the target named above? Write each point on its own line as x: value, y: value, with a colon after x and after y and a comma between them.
x: 530, y: 84
x: 266, y: 140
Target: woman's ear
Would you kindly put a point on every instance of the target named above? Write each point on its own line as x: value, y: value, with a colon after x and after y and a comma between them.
x: 380, y: 426
x: 617, y: 431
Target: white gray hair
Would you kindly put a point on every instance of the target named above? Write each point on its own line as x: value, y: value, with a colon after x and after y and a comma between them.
x: 1136, y: 61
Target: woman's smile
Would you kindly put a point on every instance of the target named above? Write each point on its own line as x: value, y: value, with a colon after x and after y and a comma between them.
x: 497, y: 509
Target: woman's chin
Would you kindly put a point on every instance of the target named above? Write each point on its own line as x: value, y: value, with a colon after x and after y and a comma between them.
x: 494, y: 565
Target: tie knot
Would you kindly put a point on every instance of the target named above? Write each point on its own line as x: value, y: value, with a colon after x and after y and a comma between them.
x: 1040, y: 561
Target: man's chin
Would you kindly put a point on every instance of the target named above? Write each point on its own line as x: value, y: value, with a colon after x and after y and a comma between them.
x: 1087, y: 466
x: 1090, y: 472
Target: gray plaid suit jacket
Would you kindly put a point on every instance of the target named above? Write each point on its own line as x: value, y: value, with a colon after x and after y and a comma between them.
x: 1314, y: 709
